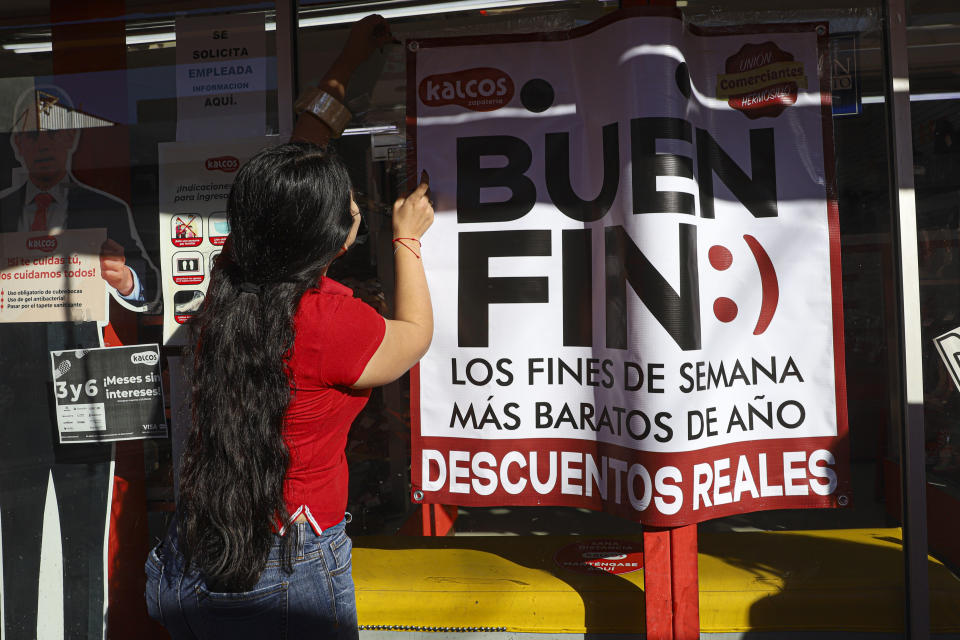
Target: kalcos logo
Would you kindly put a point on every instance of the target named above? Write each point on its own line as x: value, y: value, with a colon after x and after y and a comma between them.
x: 227, y: 164
x: 148, y: 358
x: 478, y: 89
x: 42, y: 243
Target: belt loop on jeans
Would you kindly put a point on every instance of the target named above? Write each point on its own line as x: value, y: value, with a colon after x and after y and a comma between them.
x: 301, y: 537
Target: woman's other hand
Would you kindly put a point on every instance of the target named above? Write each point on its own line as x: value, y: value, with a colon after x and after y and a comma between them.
x: 413, y: 215
x: 406, y: 337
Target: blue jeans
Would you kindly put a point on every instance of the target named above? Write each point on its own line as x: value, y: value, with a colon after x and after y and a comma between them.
x: 315, y: 601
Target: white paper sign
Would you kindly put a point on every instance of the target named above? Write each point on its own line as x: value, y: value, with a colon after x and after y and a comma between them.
x: 948, y: 346
x: 195, y: 180
x: 221, y: 77
x: 52, y: 277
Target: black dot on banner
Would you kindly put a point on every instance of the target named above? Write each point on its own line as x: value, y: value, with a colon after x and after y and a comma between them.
x: 537, y: 95
x: 683, y: 79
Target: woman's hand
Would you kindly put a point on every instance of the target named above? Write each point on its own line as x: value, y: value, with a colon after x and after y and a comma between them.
x: 413, y: 215
x: 366, y: 35
x: 406, y: 337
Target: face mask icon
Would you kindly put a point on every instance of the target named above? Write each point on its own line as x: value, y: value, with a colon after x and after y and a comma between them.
x: 219, y: 228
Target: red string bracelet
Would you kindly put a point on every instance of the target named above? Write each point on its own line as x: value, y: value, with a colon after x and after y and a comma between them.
x: 404, y: 244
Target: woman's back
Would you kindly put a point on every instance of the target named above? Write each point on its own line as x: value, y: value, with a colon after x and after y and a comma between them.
x: 335, y: 336
x: 277, y: 364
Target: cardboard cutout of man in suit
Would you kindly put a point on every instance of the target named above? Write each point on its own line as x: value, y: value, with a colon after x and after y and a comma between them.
x: 46, y: 131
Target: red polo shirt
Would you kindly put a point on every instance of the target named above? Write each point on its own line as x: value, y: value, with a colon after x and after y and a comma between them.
x: 336, y: 334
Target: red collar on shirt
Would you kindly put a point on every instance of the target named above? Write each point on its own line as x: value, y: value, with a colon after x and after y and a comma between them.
x: 331, y: 286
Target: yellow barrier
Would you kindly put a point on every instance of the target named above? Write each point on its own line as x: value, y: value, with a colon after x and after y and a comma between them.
x: 840, y: 580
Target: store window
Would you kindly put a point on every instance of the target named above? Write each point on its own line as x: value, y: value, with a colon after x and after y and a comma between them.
x: 376, y: 141
x: 933, y: 43
x: 378, y: 97
x: 861, y: 156
x: 155, y: 71
x: 123, y: 101
x: 87, y: 96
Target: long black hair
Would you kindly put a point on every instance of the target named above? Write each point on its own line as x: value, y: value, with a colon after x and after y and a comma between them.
x: 289, y: 214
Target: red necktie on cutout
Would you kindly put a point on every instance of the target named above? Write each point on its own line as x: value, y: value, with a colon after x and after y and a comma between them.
x: 42, y: 201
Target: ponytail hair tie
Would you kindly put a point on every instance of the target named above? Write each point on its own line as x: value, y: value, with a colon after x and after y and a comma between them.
x: 249, y: 287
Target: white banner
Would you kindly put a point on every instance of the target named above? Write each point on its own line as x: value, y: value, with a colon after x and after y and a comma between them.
x: 635, y: 271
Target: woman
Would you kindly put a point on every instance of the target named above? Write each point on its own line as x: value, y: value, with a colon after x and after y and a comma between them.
x: 283, y: 362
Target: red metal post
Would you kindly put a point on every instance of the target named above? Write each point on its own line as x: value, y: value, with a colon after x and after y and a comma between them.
x: 657, y: 585
x: 438, y: 519
x: 430, y: 520
x: 684, y: 586
x: 670, y: 583
x: 670, y: 555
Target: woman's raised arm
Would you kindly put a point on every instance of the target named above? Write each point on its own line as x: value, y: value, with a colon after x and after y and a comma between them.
x: 366, y: 35
x: 409, y: 334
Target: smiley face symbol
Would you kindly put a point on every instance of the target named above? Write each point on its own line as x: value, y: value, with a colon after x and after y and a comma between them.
x: 725, y: 309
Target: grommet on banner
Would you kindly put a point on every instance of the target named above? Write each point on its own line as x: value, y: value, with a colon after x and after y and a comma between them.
x: 417, y: 495
x: 413, y: 45
x: 821, y: 30
x: 843, y: 500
